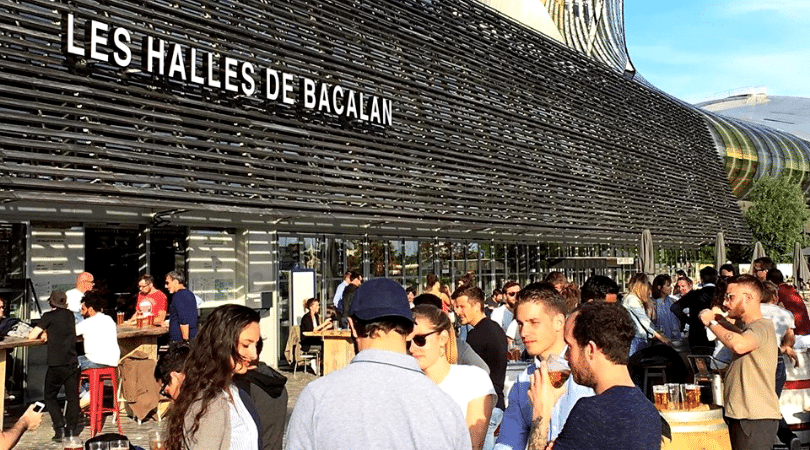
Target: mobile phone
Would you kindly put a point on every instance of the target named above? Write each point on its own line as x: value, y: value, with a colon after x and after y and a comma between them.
x: 38, y: 406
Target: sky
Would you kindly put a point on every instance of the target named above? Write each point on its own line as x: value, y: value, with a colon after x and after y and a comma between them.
x: 698, y: 50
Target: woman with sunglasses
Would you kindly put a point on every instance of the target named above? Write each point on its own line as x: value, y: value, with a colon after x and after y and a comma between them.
x: 433, y: 344
x: 209, y: 411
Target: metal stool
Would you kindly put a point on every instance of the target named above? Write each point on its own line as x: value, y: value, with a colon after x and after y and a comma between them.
x: 654, y: 372
x: 97, y: 377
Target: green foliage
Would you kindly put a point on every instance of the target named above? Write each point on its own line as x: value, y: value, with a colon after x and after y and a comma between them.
x: 777, y: 215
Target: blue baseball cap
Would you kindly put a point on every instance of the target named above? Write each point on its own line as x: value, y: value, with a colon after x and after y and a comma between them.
x: 380, y: 297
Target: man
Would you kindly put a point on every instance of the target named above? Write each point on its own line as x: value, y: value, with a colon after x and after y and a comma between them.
x: 751, y: 405
x: 792, y: 301
x: 697, y: 301
x: 355, y: 279
x: 488, y: 340
x: 556, y: 279
x: 183, y: 310
x: 541, y: 312
x: 762, y: 266
x: 504, y: 314
x: 382, y: 399
x: 151, y: 301
x: 100, y: 335
x: 599, y: 288
x: 339, y: 291
x: 58, y: 328
x: 682, y: 287
x: 727, y: 271
x: 84, y: 283
x: 411, y: 292
x: 598, y: 336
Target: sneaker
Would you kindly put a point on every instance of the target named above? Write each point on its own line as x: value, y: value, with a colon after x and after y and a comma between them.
x: 795, y: 444
x: 84, y: 402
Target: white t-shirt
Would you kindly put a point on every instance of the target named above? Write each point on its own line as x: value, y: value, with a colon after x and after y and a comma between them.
x: 497, y: 315
x: 74, y: 300
x: 466, y: 383
x: 512, y: 330
x: 100, y: 339
x: 782, y: 319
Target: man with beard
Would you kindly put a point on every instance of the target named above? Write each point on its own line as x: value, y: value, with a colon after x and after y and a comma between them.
x: 540, y: 313
x: 619, y: 415
x: 752, y: 408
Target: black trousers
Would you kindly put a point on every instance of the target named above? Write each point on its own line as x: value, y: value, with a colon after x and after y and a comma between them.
x: 752, y: 434
x: 56, y: 377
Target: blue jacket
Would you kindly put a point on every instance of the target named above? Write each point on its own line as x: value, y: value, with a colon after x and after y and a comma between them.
x: 517, y: 419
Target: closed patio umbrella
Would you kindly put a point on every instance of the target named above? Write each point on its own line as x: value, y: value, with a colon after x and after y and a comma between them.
x: 759, y: 252
x: 646, y: 257
x: 801, y: 274
x: 719, y: 251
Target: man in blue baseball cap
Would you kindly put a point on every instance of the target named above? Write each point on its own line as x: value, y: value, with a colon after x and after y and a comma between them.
x: 382, y: 399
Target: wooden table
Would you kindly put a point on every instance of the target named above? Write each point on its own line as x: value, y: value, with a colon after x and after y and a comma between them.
x: 129, y: 338
x: 338, y: 348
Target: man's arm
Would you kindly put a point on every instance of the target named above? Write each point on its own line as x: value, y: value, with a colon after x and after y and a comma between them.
x: 543, y: 397
x: 788, y: 341
x: 29, y: 421
x: 184, y: 331
x: 514, y: 426
x: 739, y: 343
x: 677, y: 309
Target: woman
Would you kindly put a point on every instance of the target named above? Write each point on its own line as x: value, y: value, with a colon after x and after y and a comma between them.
x: 665, y: 320
x: 433, y: 345
x: 638, y: 303
x: 435, y: 287
x: 311, y: 321
x: 209, y: 411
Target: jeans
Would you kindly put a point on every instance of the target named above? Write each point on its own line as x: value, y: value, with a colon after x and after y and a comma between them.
x: 55, y: 378
x: 494, y: 421
x: 784, y: 433
x: 638, y: 343
x: 85, y: 363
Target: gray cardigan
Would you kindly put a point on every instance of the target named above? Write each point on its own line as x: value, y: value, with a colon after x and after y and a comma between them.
x: 214, y: 432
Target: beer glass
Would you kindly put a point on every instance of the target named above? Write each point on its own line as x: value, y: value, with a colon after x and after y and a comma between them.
x: 72, y: 443
x: 692, y: 399
x: 661, y: 396
x: 156, y: 441
x: 558, y: 370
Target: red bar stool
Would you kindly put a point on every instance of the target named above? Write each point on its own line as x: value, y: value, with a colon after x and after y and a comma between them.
x: 97, y: 377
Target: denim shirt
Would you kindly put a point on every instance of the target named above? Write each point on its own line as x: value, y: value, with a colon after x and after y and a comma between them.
x: 517, y: 419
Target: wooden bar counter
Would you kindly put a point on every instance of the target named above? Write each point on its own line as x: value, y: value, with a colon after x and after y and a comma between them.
x: 338, y: 348
x: 129, y: 338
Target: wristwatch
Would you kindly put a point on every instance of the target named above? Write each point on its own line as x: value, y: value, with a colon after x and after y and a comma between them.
x: 712, y: 323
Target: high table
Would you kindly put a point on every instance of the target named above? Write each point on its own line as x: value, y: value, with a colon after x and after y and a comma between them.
x: 338, y: 348
x: 129, y: 338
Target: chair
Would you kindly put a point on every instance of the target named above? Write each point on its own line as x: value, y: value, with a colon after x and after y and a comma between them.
x: 651, y: 373
x: 295, y: 356
x: 97, y: 377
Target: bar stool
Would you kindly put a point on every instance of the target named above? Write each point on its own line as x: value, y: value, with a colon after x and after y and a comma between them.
x: 97, y: 377
x: 651, y: 373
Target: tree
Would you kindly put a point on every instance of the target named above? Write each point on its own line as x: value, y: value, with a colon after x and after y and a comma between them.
x: 777, y: 215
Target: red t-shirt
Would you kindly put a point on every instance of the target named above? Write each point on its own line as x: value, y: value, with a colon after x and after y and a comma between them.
x: 152, y: 303
x: 793, y: 302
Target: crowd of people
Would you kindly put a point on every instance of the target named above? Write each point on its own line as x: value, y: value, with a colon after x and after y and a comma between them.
x: 430, y: 367
x: 745, y: 322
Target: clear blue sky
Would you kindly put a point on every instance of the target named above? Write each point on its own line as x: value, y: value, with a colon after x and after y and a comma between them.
x: 697, y: 49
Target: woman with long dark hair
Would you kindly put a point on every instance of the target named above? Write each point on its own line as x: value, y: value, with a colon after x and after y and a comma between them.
x: 209, y: 412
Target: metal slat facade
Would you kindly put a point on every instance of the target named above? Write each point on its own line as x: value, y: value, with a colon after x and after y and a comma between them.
x: 498, y: 132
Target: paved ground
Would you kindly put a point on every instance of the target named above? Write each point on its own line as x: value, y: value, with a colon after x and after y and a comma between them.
x: 138, y: 434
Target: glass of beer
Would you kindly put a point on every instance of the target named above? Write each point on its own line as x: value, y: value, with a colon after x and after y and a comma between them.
x: 156, y: 441
x: 692, y: 399
x: 661, y: 396
x: 72, y: 443
x: 558, y: 370
x: 139, y: 319
x: 120, y: 318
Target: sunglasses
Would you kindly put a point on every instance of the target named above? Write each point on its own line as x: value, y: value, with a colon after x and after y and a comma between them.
x: 512, y: 294
x: 421, y: 339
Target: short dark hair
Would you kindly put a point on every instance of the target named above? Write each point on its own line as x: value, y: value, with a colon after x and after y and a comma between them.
x: 544, y: 294
x: 178, y: 276
x: 427, y: 299
x: 146, y: 278
x: 172, y: 361
x: 368, y: 328
x: 775, y: 276
x: 353, y: 275
x: 729, y: 268
x: 598, y: 287
x: 609, y: 326
x: 93, y: 300
x: 410, y: 290
x: 764, y: 262
x: 509, y: 284
x: 708, y: 274
x: 750, y: 281
x: 473, y: 293
x: 555, y: 277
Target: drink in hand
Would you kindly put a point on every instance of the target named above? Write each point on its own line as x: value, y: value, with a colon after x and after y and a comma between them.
x: 559, y: 378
